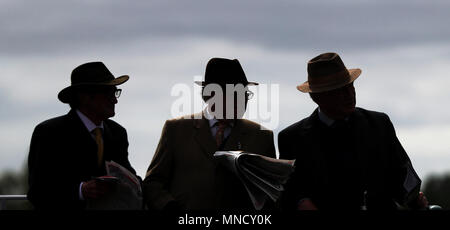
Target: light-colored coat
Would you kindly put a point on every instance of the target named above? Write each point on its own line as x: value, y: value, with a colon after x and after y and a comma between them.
x: 184, y: 169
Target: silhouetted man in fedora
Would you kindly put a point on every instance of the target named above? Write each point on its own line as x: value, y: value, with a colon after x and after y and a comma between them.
x: 183, y: 174
x: 347, y: 157
x: 67, y: 152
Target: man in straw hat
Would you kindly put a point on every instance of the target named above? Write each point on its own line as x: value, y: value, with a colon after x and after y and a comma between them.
x: 183, y: 174
x: 67, y: 152
x: 347, y: 157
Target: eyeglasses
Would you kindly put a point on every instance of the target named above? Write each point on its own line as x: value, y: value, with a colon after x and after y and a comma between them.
x: 111, y: 92
x: 249, y: 94
x: 107, y: 91
x: 117, y: 93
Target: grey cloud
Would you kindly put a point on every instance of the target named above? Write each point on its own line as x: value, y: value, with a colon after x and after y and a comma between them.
x: 68, y: 26
x: 14, y: 111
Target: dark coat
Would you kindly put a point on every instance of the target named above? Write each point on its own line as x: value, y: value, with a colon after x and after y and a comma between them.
x: 183, y: 169
x: 373, y: 162
x: 63, y: 154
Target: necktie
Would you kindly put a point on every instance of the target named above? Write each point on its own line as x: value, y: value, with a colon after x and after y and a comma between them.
x: 221, y: 126
x: 99, y: 140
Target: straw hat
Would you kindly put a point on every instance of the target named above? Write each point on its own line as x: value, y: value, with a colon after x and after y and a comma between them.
x: 327, y: 72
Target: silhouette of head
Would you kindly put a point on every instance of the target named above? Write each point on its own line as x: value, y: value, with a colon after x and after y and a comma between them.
x: 330, y: 85
x: 338, y: 103
x: 225, y: 86
x: 93, y: 90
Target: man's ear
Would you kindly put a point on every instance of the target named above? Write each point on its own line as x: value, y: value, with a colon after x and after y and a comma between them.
x: 83, y: 98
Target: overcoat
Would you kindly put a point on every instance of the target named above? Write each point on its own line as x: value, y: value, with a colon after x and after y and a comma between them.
x: 63, y: 154
x: 379, y: 174
x: 184, y: 170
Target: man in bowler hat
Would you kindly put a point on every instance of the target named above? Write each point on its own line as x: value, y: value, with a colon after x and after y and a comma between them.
x: 347, y: 157
x: 69, y: 151
x: 183, y: 174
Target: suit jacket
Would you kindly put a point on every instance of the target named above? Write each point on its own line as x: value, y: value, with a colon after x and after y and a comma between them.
x: 63, y: 154
x: 184, y: 170
x: 381, y: 163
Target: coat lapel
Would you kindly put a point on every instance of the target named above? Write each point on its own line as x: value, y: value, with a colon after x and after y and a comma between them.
x: 234, y: 141
x: 312, y: 131
x: 84, y: 138
x: 363, y: 144
x: 204, y: 138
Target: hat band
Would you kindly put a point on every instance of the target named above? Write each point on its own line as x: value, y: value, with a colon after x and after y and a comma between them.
x: 336, y: 79
x: 93, y: 81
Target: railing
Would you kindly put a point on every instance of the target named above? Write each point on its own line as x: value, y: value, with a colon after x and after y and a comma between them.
x: 5, y: 198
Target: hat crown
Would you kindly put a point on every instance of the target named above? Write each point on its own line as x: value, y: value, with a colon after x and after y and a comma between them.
x: 325, y: 65
x: 224, y: 71
x: 327, y: 72
x: 91, y: 72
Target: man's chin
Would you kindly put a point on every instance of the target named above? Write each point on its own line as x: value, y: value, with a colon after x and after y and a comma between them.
x: 110, y: 114
x: 348, y: 113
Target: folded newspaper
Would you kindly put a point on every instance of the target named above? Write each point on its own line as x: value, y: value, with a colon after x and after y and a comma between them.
x: 261, y: 176
x: 127, y: 194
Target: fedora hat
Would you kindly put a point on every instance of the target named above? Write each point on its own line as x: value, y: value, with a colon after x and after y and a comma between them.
x: 89, y: 74
x: 224, y: 71
x: 327, y: 72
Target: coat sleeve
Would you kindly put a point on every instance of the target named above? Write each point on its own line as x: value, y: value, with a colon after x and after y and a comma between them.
x: 282, y: 147
x: 124, y: 160
x: 159, y: 174
x: 271, y: 152
x: 297, y: 185
x: 404, y: 182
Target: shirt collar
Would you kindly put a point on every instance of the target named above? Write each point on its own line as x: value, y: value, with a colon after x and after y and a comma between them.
x: 87, y: 122
x: 211, y: 120
x: 326, y: 119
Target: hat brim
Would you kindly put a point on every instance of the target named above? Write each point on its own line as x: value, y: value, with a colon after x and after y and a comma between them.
x: 354, y: 74
x: 202, y: 83
x: 66, y: 95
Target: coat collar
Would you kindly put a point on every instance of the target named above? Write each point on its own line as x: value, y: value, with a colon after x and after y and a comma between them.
x: 79, y: 128
x: 311, y: 121
x: 314, y: 119
x: 204, y: 137
x: 87, y: 122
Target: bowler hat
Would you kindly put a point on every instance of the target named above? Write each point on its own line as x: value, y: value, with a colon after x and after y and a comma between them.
x: 327, y: 72
x: 224, y: 71
x: 88, y: 75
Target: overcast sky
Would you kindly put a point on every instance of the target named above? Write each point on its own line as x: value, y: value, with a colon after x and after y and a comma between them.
x: 402, y: 47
